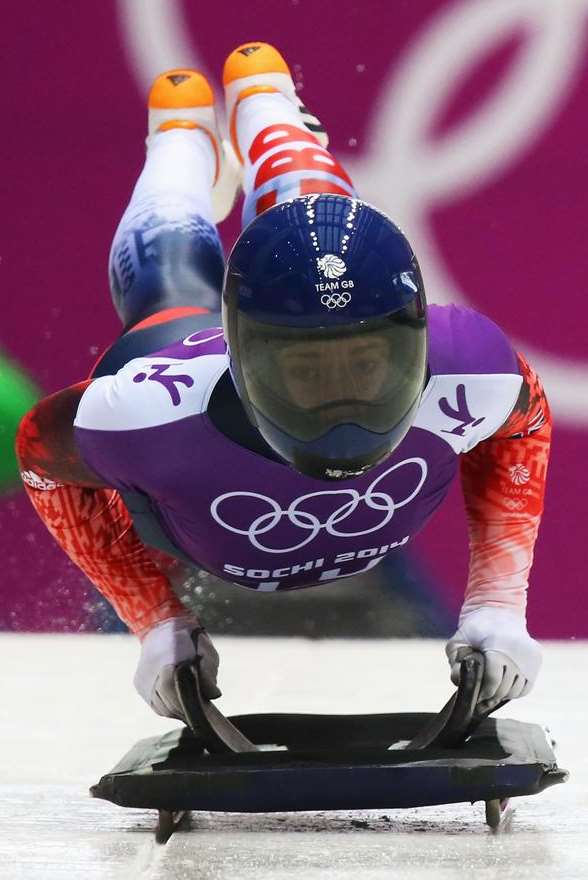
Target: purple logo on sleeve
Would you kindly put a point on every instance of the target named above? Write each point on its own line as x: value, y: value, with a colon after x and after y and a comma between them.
x: 168, y: 382
x: 460, y: 413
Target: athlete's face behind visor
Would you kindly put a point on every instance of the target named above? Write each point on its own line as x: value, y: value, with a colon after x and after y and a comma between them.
x: 344, y: 394
x: 334, y: 374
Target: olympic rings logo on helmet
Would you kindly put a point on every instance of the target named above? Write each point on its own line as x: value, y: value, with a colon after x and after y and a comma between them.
x: 336, y: 300
x: 312, y: 524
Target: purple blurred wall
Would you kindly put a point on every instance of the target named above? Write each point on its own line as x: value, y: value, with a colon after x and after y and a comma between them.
x: 465, y: 121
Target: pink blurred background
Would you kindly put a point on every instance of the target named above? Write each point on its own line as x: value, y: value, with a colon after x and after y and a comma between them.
x: 465, y: 121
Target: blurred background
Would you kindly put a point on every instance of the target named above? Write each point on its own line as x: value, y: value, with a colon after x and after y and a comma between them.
x: 465, y: 120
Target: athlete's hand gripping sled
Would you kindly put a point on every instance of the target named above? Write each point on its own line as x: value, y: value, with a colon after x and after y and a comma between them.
x: 291, y: 762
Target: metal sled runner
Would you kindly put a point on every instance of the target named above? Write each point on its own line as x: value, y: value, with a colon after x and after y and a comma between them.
x: 292, y: 762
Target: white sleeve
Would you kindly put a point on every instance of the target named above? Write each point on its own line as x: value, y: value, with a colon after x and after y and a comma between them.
x: 148, y: 392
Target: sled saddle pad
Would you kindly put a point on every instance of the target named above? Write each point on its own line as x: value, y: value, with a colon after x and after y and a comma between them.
x: 332, y: 762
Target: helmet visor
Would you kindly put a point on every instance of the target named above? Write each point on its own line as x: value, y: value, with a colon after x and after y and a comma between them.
x: 307, y: 381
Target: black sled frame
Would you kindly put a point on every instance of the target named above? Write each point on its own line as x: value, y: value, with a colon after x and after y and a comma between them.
x: 293, y: 762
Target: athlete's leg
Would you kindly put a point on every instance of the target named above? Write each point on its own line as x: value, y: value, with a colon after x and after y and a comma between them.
x: 281, y: 145
x: 166, y: 263
x: 166, y: 251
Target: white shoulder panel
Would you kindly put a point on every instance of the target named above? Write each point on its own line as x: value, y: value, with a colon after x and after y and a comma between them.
x: 465, y: 409
x: 150, y: 391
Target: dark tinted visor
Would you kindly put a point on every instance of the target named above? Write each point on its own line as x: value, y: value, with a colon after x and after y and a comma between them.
x: 309, y: 380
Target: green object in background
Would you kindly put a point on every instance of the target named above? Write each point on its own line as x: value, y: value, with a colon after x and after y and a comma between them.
x: 17, y: 395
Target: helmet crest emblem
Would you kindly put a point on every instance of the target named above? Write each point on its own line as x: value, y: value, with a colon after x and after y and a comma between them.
x: 331, y: 266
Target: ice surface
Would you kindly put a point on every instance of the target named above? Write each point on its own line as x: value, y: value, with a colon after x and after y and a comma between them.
x: 68, y: 712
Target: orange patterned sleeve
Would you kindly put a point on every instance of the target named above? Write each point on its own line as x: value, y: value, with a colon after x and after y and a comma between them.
x: 91, y: 523
x: 503, y: 480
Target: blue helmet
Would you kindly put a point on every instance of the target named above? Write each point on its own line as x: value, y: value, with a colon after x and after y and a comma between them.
x: 324, y: 315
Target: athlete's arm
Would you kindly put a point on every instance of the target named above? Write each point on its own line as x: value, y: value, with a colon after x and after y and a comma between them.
x: 90, y: 521
x: 45, y: 443
x: 503, y: 480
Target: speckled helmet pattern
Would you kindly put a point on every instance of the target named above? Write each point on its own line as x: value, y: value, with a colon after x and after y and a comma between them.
x: 324, y: 314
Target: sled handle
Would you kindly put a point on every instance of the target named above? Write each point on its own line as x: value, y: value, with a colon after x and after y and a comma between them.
x: 218, y: 735
x: 459, y: 716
